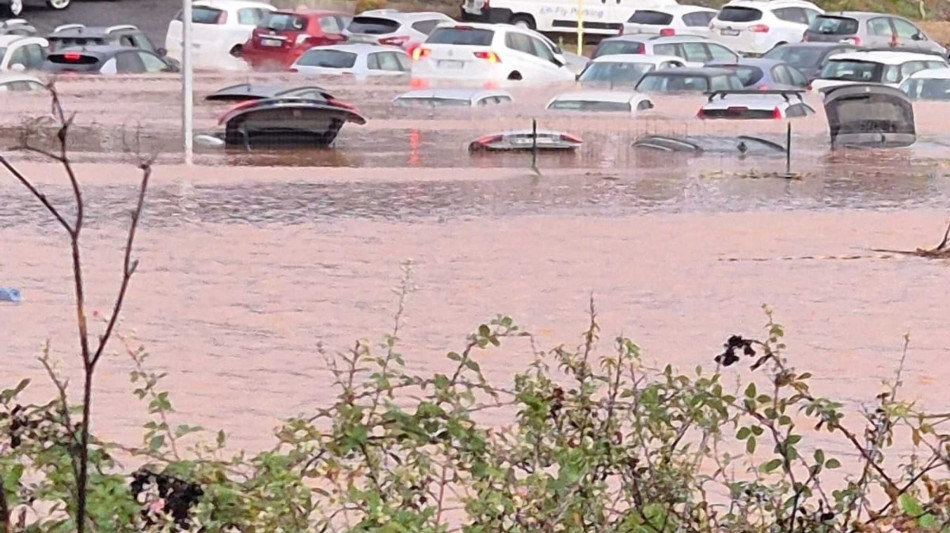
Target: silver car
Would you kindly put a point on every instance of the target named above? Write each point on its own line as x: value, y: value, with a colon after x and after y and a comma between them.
x: 358, y: 61
x: 870, y: 30
x: 393, y: 28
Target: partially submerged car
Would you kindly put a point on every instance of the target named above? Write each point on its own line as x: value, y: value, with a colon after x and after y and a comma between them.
x: 755, y: 104
x: 283, y: 117
x: 601, y: 101
x: 685, y: 80
x: 390, y: 27
x: 80, y: 35
x: 526, y: 140
x: 282, y: 36
x: 452, y: 98
x: 358, y: 61
x: 764, y: 74
x: 875, y: 66
x: 808, y: 58
x: 19, y: 53
x: 696, y: 51
x: 220, y: 29
x: 625, y: 69
x: 20, y: 82
x: 108, y: 60
x: 742, y: 146
x: 930, y: 84
x: 869, y: 116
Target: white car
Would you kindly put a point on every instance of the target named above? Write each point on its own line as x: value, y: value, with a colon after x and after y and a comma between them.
x: 752, y: 105
x: 930, y: 84
x: 884, y: 67
x: 670, y: 20
x: 601, y: 101
x: 488, y: 53
x: 393, y: 28
x: 18, y: 53
x: 20, y: 82
x: 757, y: 26
x: 625, y: 69
x: 359, y: 61
x: 220, y: 29
x: 452, y: 98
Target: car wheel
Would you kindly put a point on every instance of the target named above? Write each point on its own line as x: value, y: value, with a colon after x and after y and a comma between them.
x: 58, y: 4
x: 13, y: 9
x: 525, y: 22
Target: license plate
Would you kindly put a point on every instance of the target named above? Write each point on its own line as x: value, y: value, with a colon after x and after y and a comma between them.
x: 445, y: 63
x: 270, y: 42
x: 729, y: 32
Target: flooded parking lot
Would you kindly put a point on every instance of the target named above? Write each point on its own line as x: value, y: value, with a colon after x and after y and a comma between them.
x: 252, y: 263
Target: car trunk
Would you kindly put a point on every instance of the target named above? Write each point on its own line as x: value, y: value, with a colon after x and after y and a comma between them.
x: 869, y: 116
x: 648, y: 22
x: 73, y: 61
x: 375, y: 30
x: 459, y: 50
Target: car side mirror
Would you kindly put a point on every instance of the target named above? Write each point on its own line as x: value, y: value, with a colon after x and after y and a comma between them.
x: 919, y: 37
x: 161, y: 52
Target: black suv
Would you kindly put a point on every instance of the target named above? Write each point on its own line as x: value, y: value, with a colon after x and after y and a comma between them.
x: 78, y: 35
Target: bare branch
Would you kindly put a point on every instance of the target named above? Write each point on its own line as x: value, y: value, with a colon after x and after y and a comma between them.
x: 37, y: 194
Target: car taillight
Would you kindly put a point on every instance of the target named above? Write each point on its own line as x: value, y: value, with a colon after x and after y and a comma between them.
x: 72, y: 56
x: 399, y: 40
x: 641, y: 49
x: 701, y: 113
x: 856, y: 41
x: 571, y: 139
x: 420, y: 52
x: 777, y: 113
x: 488, y: 139
x: 759, y: 28
x: 763, y: 87
x: 489, y: 56
x: 667, y: 32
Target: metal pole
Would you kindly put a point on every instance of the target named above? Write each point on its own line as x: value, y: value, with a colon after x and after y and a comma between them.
x: 788, y: 149
x: 187, y: 82
x: 534, y: 144
x: 580, y: 27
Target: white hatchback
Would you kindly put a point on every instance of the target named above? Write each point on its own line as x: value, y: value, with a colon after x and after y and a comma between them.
x: 488, y: 53
x: 670, y: 20
x: 221, y: 27
x: 757, y: 26
x: 359, y: 61
x: 872, y: 66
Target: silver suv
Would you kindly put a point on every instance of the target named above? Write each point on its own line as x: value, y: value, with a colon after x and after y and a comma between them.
x: 696, y: 51
x: 871, y: 30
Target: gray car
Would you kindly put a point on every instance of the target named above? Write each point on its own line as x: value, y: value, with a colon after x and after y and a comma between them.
x: 764, y: 74
x: 695, y: 50
x: 808, y: 58
x: 871, y: 30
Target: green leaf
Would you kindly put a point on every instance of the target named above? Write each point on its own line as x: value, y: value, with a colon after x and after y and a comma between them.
x: 750, y: 445
x: 743, y: 433
x: 771, y: 465
x: 484, y: 331
x: 833, y: 463
x: 454, y: 356
x: 156, y: 443
x: 913, y: 509
x: 819, y: 456
x: 750, y: 391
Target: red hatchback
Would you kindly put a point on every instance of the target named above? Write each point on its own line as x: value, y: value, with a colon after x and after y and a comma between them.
x: 281, y: 36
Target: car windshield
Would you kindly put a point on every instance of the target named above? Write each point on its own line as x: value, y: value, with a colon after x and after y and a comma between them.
x: 739, y: 14
x: 372, y: 25
x: 432, y: 102
x: 860, y: 115
x: 206, y: 15
x: 462, y: 36
x: 610, y: 48
x: 589, y: 105
x: 668, y: 83
x: 284, y: 22
x: 748, y: 75
x: 800, y: 57
x: 653, y: 18
x: 833, y: 25
x: 924, y: 89
x: 327, y: 59
x: 610, y: 72
x: 848, y: 70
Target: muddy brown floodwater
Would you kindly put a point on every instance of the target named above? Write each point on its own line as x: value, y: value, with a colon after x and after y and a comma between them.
x: 251, y: 264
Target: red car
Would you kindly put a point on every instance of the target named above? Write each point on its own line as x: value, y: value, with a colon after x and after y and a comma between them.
x: 281, y: 37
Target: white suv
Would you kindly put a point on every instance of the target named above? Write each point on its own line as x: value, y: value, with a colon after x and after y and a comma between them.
x: 221, y: 27
x: 757, y: 26
x: 490, y: 53
x: 393, y: 28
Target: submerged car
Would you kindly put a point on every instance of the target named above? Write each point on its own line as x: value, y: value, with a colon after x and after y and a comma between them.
x: 108, y: 60
x: 808, y: 58
x: 755, y: 104
x: 764, y: 74
x: 670, y: 20
x: 19, y: 53
x: 684, y: 80
x: 356, y: 61
x: 17, y: 27
x: 696, y: 51
x: 870, y: 116
x: 243, y: 92
x: 526, y: 140
x: 287, y: 122
x: 930, y: 84
x: 452, y: 98
x: 625, y: 69
x: 393, y: 28
x: 874, y: 66
x: 601, y: 101
x: 20, y: 82
x: 80, y: 35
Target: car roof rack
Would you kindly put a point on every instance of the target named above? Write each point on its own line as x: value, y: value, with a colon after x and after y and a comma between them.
x: 784, y: 93
x: 118, y: 27
x: 65, y: 27
x: 13, y: 22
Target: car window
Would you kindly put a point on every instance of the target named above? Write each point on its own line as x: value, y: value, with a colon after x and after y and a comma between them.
x: 386, y: 61
x: 880, y: 27
x: 695, y: 52
x: 541, y: 50
x: 126, y: 40
x: 719, y: 83
x: 503, y: 99
x: 905, y: 30
x: 650, y: 17
x: 461, y: 36
x: 844, y: 69
x: 152, y: 62
x: 720, y: 53
x: 614, y: 72
x: 249, y: 16
x: 109, y: 67
x: 924, y: 89
x: 791, y: 14
x: 831, y: 25
x: 403, y: 61
x: 25, y: 86
x: 797, y: 78
x: 619, y: 46
x: 142, y: 42
x: 748, y: 74
x: 425, y: 26
x: 330, y: 25
x: 780, y: 75
x: 519, y: 42
x: 811, y: 14
x: 739, y: 14
x: 316, y: 57
x: 698, y: 19
x: 372, y: 25
x: 796, y: 110
x: 284, y: 22
x: 669, y: 50
x: 911, y: 67
x: 891, y: 74
x: 129, y: 63
x: 19, y: 57
x: 670, y: 64
x: 206, y: 15
x: 35, y: 56
x: 797, y: 56
x: 936, y: 64
x: 656, y: 82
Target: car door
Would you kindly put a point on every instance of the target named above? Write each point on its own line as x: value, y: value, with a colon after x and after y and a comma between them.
x: 719, y: 52
x: 696, y: 53
x: 880, y: 33
x: 549, y: 67
x: 909, y: 35
x: 386, y: 64
x: 152, y: 62
x: 129, y: 62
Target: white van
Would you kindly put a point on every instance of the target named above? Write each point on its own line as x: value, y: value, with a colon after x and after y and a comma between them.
x: 603, y: 17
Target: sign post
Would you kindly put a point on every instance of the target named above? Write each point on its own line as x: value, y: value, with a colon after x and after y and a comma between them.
x: 580, y: 27
x: 187, y: 82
